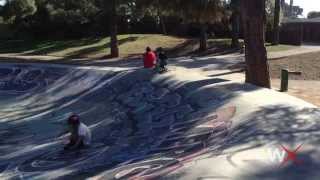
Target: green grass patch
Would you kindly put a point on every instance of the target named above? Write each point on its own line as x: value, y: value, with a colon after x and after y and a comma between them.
x: 90, y: 47
x: 130, y: 45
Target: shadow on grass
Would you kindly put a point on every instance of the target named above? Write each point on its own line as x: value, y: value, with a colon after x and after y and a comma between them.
x: 42, y: 47
x: 51, y: 47
x: 83, y: 52
x: 191, y: 48
x: 184, y: 49
x: 56, y: 46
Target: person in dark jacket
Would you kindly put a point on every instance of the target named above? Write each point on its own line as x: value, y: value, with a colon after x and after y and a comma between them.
x: 162, y: 60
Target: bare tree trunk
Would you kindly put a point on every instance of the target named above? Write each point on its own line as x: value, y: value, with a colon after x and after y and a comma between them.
x: 114, y: 49
x: 253, y: 14
x: 203, y: 37
x: 276, y: 21
x: 291, y: 8
x: 235, y: 30
x: 163, y: 25
x: 235, y: 18
x: 283, y: 3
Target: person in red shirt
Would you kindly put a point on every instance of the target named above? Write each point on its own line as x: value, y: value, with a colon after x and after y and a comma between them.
x: 150, y: 58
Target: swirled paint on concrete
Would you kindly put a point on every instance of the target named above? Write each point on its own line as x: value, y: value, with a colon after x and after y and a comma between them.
x: 21, y: 79
x: 141, y: 129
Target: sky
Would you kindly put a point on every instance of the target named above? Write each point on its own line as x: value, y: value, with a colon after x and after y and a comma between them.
x: 307, y: 5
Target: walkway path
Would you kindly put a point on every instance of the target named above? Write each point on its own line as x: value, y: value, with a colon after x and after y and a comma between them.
x: 296, y: 51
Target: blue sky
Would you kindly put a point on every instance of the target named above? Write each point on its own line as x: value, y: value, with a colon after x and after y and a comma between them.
x: 307, y: 5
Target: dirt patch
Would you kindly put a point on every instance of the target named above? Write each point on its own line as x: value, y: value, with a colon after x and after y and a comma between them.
x: 306, y: 90
x: 308, y: 64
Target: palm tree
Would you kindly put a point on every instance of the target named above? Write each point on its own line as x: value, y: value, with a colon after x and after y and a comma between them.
x: 114, y: 49
x: 276, y: 22
x: 253, y: 15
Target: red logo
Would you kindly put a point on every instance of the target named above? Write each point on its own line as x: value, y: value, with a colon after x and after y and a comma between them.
x: 291, y: 155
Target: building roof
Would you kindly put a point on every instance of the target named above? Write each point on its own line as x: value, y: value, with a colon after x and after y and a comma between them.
x: 301, y: 20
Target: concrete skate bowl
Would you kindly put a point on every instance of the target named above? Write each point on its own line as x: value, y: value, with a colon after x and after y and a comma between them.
x: 144, y: 125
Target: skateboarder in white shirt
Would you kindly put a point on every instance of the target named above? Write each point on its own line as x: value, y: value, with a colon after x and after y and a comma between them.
x: 80, y: 134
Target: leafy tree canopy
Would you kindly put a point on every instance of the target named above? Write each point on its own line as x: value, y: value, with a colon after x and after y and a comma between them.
x: 313, y: 14
x: 19, y: 9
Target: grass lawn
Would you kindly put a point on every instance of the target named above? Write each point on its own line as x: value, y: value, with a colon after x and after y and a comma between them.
x: 90, y: 47
x: 130, y: 45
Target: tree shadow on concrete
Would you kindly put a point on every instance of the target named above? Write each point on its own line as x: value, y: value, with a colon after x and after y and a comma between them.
x: 205, y: 64
x: 273, y: 125
x: 307, y: 169
x: 227, y: 73
x: 281, y: 123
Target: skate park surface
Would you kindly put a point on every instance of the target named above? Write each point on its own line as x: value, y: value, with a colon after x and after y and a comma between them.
x: 177, y: 125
